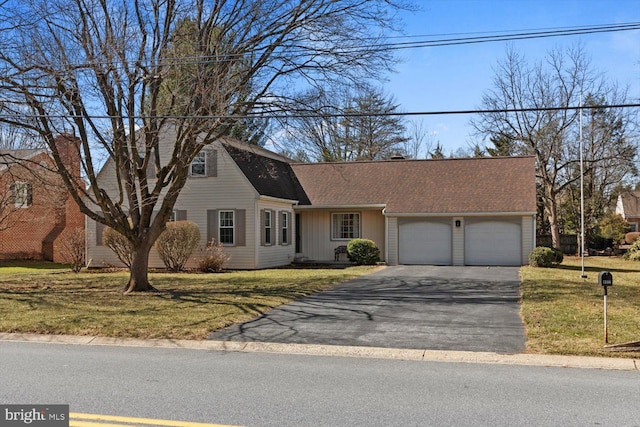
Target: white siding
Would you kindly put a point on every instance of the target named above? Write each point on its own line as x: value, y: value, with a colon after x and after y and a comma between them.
x: 528, y: 237
x: 392, y: 240
x: 316, y: 242
x: 231, y: 190
x: 275, y: 254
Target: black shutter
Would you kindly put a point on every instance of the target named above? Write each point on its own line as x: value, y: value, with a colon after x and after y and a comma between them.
x: 240, y: 227
x: 212, y: 163
x: 212, y: 225
x: 99, y: 231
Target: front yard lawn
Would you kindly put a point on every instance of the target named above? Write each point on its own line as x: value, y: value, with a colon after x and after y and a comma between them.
x: 563, y: 313
x: 188, y: 306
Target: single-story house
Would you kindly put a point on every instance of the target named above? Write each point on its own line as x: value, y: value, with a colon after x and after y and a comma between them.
x: 628, y: 206
x: 267, y: 210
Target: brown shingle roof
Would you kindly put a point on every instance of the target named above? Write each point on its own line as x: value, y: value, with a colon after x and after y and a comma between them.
x: 631, y: 204
x: 477, y: 185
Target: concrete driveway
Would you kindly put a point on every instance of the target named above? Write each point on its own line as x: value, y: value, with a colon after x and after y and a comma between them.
x: 411, y: 307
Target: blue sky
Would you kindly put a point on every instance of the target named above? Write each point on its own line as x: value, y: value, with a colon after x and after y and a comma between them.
x: 455, y: 77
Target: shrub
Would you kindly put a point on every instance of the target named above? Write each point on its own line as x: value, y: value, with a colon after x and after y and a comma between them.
x: 633, y: 253
x: 119, y: 244
x: 558, y: 256
x: 213, y: 258
x: 363, y: 251
x: 176, y: 244
x: 613, y: 227
x: 541, y: 257
x: 72, y: 249
x: 631, y: 237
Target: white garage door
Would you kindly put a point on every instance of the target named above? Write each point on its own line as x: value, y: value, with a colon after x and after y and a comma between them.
x: 492, y: 243
x: 425, y: 242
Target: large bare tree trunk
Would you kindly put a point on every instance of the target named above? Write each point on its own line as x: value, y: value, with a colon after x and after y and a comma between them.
x: 138, y: 273
x: 555, y: 226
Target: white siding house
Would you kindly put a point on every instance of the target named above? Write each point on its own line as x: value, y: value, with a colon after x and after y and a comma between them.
x: 268, y: 211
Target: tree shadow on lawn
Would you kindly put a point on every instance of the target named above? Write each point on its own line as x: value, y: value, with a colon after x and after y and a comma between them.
x: 631, y: 269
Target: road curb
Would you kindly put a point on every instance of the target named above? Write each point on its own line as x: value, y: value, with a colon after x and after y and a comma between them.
x: 342, y: 351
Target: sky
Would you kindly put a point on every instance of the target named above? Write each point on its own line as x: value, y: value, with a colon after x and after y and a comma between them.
x: 454, y: 78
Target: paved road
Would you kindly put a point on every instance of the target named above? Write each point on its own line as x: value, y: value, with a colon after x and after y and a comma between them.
x: 260, y: 389
x: 413, y: 307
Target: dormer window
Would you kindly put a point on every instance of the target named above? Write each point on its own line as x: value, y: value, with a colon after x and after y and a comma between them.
x: 199, y: 164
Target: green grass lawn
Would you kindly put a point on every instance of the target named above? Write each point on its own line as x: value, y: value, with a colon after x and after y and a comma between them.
x: 563, y: 313
x: 187, y: 306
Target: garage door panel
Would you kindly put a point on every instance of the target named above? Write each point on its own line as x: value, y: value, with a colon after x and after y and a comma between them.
x: 425, y: 242
x: 493, y: 243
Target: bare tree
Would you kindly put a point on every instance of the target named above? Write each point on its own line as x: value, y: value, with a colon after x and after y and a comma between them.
x: 547, y: 123
x: 419, y: 142
x: 348, y: 125
x: 110, y: 73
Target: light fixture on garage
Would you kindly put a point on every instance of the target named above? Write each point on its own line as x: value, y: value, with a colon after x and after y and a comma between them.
x: 458, y: 223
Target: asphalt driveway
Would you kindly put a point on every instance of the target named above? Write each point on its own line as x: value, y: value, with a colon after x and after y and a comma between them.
x: 412, y: 307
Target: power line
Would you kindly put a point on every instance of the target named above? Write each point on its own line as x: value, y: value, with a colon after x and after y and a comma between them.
x: 363, y: 48
x: 283, y: 115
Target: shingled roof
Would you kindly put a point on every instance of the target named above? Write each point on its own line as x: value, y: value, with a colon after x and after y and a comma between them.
x: 449, y: 186
x: 270, y: 176
x: 631, y: 204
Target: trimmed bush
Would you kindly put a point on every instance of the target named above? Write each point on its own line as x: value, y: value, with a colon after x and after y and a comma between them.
x: 541, y: 257
x: 633, y: 253
x: 176, y: 244
x: 119, y: 244
x: 558, y: 256
x: 363, y: 252
x: 213, y: 258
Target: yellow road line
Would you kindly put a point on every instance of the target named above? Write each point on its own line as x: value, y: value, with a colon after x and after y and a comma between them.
x: 94, y: 420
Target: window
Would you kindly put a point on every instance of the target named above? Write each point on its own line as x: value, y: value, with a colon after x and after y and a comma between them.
x: 173, y: 217
x: 345, y: 226
x: 267, y: 227
x: 227, y: 227
x: 21, y: 192
x: 633, y: 226
x: 199, y: 164
x: 285, y: 228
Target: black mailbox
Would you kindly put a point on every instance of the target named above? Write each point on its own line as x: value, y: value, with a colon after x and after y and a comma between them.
x: 605, y: 279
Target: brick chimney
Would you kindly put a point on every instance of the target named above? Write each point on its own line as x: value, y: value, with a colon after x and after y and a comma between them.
x: 68, y: 147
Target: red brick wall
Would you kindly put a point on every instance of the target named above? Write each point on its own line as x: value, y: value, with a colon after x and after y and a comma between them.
x: 36, y: 232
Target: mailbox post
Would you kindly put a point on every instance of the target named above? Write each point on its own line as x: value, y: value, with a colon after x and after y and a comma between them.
x: 605, y: 279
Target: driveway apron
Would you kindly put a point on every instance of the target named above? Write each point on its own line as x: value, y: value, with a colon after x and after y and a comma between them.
x: 411, y: 307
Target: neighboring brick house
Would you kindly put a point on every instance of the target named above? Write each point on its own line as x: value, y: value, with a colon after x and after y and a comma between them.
x: 36, y: 210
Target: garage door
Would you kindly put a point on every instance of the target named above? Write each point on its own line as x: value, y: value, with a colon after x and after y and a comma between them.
x: 492, y: 243
x: 425, y: 242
